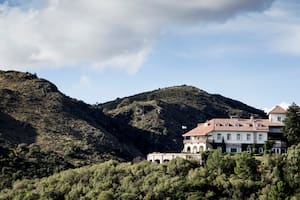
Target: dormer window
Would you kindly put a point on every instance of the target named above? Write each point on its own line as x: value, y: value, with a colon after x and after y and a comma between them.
x: 259, y: 125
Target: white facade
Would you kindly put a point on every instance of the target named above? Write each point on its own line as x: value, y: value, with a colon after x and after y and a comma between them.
x: 165, y: 157
x: 195, y: 144
x: 277, y: 117
x: 240, y: 137
x: 234, y: 140
x: 236, y: 135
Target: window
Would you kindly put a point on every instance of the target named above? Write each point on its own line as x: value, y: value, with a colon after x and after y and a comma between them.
x: 260, y: 137
x: 260, y: 150
x: 233, y: 150
x: 279, y: 119
x: 228, y: 136
x: 248, y: 137
x: 283, y: 150
x: 188, y: 149
x: 238, y: 136
x: 258, y: 125
x: 219, y: 136
x: 249, y: 148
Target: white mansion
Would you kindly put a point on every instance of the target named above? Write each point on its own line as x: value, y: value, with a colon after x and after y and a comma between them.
x: 236, y: 134
x: 231, y: 135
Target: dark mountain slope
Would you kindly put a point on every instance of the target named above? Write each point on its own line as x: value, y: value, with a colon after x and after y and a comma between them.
x: 42, y: 131
x: 162, y: 113
x: 34, y: 111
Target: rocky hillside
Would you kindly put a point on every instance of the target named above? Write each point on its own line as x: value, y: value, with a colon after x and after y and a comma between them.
x: 35, y: 111
x: 43, y: 131
x: 162, y: 113
x: 41, y: 126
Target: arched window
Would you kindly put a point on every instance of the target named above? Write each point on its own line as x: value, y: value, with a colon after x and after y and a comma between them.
x: 195, y: 149
x: 188, y: 149
x: 201, y: 148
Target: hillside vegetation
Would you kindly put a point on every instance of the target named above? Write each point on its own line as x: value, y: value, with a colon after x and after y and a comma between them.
x: 223, y: 177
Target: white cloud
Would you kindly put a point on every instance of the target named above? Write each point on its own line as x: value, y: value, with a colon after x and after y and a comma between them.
x: 84, y: 81
x: 284, y: 105
x: 276, y: 30
x: 99, y: 34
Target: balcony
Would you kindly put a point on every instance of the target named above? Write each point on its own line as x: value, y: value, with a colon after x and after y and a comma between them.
x: 194, y: 141
x: 275, y: 130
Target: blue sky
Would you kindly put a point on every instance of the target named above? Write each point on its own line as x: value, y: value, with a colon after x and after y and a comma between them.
x: 242, y: 49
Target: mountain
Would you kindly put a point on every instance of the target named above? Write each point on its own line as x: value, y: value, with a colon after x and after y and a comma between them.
x: 162, y: 113
x: 35, y: 111
x: 43, y: 131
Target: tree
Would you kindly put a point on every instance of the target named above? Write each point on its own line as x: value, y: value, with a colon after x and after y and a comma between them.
x: 246, y: 166
x: 292, y: 168
x: 217, y: 163
x: 292, y: 125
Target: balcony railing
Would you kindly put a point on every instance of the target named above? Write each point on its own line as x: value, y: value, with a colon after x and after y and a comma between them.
x: 195, y: 141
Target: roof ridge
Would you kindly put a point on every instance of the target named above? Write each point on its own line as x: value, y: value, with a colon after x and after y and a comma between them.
x: 277, y: 110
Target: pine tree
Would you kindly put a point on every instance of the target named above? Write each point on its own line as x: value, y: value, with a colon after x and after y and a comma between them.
x: 292, y: 168
x: 292, y: 125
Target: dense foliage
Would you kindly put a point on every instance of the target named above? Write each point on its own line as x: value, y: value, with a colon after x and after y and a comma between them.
x: 292, y: 124
x: 22, y: 161
x: 239, y: 176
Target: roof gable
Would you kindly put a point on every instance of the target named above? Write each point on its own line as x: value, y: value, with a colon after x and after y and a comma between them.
x: 277, y: 110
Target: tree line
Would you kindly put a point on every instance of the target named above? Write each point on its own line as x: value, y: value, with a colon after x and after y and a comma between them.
x: 224, y: 176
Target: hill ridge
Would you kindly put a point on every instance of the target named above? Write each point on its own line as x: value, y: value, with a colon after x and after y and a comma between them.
x: 43, y: 129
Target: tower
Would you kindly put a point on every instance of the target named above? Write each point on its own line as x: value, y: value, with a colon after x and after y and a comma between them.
x: 277, y: 114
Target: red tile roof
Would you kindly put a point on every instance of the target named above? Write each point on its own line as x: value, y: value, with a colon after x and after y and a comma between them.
x: 235, y: 124
x: 277, y: 110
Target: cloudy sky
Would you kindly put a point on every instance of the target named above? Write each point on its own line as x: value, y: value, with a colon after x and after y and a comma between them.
x: 98, y: 50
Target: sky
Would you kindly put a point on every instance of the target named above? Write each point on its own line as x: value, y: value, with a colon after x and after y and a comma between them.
x: 98, y: 50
